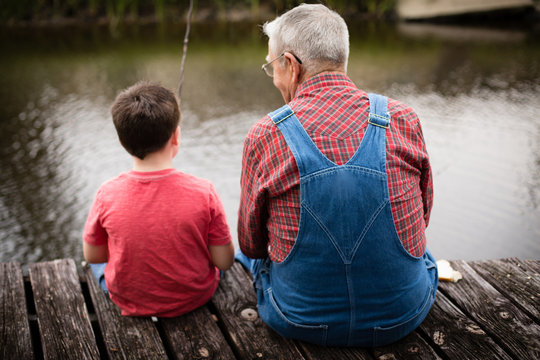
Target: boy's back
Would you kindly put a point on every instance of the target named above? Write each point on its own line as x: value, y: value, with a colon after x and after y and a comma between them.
x: 162, y: 233
x: 159, y: 226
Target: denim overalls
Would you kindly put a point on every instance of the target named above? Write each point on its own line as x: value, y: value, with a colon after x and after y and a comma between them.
x: 348, y: 281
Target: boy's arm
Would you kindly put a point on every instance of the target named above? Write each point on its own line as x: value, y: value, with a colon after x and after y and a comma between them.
x: 222, y: 255
x: 95, y: 254
x: 95, y: 248
x: 220, y: 243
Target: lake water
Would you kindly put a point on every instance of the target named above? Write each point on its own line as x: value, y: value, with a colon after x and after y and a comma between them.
x: 476, y: 90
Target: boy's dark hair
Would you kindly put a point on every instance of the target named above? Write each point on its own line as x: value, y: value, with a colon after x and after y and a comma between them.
x: 145, y: 116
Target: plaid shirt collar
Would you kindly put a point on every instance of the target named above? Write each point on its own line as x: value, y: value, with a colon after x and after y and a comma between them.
x: 323, y: 80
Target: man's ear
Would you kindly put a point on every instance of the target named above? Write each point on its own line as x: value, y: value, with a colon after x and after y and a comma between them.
x: 296, y: 69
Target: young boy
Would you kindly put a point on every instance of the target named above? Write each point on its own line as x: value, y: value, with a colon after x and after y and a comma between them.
x: 163, y: 233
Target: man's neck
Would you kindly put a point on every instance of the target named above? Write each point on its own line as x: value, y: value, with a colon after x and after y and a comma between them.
x: 339, y: 71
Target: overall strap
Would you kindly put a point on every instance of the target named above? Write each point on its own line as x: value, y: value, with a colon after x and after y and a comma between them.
x: 372, y: 150
x: 378, y: 110
x: 308, y: 157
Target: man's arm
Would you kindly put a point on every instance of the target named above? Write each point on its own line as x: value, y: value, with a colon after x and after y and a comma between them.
x: 426, y: 177
x: 252, y: 215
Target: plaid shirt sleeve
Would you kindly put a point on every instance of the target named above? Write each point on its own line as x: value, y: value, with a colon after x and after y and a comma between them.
x: 419, y: 153
x: 426, y: 180
x: 410, y: 178
x: 252, y: 233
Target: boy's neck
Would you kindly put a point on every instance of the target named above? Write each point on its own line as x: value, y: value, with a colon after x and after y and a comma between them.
x: 161, y: 159
x: 152, y: 162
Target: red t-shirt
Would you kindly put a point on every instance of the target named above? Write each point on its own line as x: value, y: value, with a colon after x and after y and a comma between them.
x: 158, y: 226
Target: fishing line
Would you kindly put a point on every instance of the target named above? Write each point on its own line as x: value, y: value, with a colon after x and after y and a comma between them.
x: 184, y: 50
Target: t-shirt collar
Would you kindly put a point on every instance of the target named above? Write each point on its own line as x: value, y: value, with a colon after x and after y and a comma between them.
x: 151, y: 174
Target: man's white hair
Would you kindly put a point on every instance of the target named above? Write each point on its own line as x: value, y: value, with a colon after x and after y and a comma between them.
x: 315, y: 34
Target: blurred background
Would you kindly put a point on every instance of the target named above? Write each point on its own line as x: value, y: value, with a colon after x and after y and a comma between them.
x: 472, y: 73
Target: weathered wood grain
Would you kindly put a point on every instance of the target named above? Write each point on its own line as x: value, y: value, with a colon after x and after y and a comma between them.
x: 125, y: 337
x: 314, y: 352
x: 517, y: 333
x: 249, y: 336
x: 15, y: 340
x: 457, y: 336
x: 514, y: 281
x: 491, y: 313
x: 412, y: 346
x: 64, y: 324
x: 534, y: 265
x: 195, y: 335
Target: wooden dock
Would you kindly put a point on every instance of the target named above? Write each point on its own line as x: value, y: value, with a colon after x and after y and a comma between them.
x: 57, y: 311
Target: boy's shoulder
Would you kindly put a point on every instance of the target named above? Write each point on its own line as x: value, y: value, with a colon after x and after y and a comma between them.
x: 171, y: 178
x: 113, y: 182
x: 193, y: 180
x: 194, y: 184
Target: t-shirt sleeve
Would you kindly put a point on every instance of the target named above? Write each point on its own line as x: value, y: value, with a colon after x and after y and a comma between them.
x: 218, y: 232
x: 94, y: 233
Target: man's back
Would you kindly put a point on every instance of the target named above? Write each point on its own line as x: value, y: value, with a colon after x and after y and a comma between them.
x: 312, y: 250
x: 335, y: 115
x: 347, y: 280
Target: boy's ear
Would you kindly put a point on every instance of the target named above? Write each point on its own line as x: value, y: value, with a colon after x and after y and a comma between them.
x: 175, y: 138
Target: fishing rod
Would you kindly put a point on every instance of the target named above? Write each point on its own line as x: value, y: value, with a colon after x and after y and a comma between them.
x: 184, y: 49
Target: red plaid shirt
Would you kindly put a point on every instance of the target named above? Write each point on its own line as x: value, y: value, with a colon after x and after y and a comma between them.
x: 335, y: 114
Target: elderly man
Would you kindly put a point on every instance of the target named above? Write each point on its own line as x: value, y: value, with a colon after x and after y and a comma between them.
x: 336, y: 195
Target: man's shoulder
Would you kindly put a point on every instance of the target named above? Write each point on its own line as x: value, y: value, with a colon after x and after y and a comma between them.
x: 263, y: 129
x: 402, y: 112
x: 395, y: 105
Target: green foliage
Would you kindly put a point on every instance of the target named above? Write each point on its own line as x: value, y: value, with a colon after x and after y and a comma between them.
x: 119, y: 10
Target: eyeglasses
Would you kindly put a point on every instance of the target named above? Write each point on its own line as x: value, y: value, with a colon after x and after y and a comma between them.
x: 269, y: 70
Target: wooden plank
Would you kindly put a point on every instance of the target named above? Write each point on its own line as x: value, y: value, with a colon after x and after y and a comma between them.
x: 66, y: 332
x: 535, y: 265
x: 315, y: 352
x: 522, y: 287
x: 531, y: 267
x: 457, y: 336
x: 125, y: 337
x: 195, y: 335
x: 15, y: 340
x: 517, y: 333
x: 236, y: 305
x: 411, y: 346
